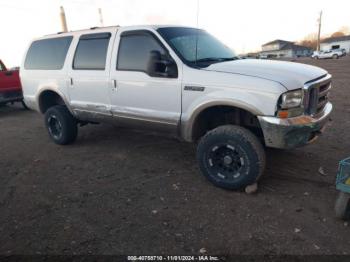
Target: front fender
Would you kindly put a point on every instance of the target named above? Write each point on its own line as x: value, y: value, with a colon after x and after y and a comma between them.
x: 257, y: 103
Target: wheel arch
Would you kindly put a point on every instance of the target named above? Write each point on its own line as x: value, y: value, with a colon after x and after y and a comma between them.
x: 48, y: 97
x: 191, y: 128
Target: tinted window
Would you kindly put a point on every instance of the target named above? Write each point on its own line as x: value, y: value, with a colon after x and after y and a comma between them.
x: 135, y: 50
x: 48, y: 54
x: 91, y: 52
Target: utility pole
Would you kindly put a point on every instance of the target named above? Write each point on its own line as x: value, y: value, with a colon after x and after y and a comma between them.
x: 63, y: 20
x: 319, y: 32
x: 100, y: 15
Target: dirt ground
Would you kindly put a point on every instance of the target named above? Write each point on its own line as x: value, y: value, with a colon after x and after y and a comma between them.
x: 117, y: 191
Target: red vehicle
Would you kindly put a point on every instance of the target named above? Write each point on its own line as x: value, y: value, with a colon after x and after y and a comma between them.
x: 10, y: 86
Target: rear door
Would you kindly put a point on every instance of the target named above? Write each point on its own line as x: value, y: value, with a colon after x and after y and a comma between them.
x: 88, y: 75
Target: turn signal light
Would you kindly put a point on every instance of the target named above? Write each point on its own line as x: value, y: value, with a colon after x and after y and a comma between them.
x: 283, y: 114
x: 348, y: 181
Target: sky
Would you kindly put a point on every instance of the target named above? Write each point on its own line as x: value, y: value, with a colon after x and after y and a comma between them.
x: 243, y: 25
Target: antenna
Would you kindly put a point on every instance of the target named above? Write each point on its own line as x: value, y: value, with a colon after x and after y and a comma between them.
x: 100, y: 16
x: 319, y: 31
x: 196, y: 55
x: 197, y: 13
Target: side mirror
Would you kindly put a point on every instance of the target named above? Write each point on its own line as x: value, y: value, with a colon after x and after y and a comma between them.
x: 161, y: 65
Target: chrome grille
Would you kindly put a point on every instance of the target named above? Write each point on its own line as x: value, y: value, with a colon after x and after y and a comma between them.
x: 316, y: 95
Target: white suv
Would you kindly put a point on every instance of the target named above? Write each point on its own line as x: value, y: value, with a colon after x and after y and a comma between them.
x: 179, y: 80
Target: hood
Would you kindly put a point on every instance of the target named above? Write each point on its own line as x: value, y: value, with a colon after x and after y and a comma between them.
x: 290, y: 75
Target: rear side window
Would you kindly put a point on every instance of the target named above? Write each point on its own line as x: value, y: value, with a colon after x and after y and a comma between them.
x: 91, y: 52
x: 47, y: 54
x: 134, y: 51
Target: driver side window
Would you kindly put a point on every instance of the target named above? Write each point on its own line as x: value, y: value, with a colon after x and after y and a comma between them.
x: 135, y: 50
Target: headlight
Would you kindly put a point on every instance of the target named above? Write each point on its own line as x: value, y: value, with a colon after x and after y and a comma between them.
x: 290, y: 104
x: 291, y: 99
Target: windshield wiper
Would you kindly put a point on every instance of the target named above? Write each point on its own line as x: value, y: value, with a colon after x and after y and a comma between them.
x: 230, y: 58
x: 216, y: 59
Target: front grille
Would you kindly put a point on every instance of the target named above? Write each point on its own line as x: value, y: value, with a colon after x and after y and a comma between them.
x: 316, y: 95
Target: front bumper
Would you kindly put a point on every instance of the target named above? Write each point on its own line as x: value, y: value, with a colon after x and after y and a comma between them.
x: 296, y: 131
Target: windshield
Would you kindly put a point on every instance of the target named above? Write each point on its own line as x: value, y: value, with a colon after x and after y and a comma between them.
x: 186, y: 41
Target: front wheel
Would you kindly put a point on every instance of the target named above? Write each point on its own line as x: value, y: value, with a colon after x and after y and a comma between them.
x: 231, y: 157
x: 61, y: 125
x: 335, y: 56
x: 342, y: 206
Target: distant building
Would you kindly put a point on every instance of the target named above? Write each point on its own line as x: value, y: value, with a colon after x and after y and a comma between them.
x: 281, y: 48
x: 336, y: 42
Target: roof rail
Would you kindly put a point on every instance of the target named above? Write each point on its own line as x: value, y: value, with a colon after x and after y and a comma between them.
x: 91, y: 28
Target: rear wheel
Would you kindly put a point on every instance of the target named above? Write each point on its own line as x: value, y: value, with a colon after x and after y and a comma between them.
x: 335, y: 56
x: 342, y: 206
x: 61, y: 125
x: 231, y: 157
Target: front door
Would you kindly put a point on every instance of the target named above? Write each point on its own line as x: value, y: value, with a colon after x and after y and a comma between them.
x: 137, y: 95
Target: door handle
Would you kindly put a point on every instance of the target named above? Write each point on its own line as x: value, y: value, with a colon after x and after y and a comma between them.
x: 115, y: 85
x: 71, y: 81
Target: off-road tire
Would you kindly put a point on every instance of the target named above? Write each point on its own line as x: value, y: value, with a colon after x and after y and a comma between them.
x: 68, y: 130
x: 342, y: 206
x: 243, y: 144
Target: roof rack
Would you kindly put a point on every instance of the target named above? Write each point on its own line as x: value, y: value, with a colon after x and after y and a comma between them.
x: 91, y: 28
